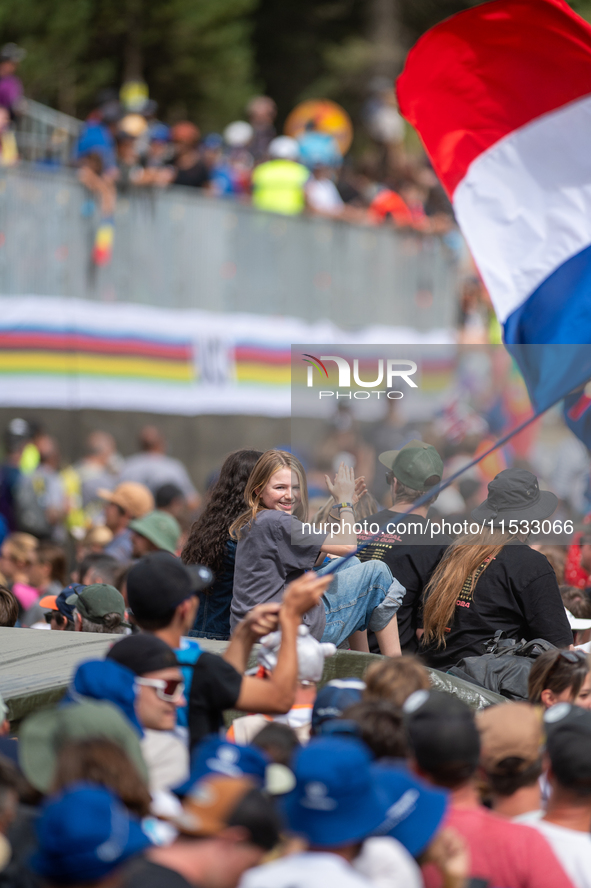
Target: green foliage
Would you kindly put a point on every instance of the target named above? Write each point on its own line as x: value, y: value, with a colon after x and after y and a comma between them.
x: 195, y: 55
x: 582, y: 7
x: 203, y: 59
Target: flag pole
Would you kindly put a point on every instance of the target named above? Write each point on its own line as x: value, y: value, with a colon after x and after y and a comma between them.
x: 425, y: 497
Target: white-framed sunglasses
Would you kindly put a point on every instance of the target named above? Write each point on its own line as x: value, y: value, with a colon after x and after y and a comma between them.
x: 170, y: 690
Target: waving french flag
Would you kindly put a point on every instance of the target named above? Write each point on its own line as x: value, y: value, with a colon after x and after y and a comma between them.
x: 501, y: 97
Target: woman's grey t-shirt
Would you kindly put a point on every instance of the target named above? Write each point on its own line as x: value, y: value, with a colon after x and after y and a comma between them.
x: 272, y: 551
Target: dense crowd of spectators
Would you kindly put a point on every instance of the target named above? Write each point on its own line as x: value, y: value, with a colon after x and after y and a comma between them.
x: 166, y: 764
x: 121, y: 148
x: 249, y: 161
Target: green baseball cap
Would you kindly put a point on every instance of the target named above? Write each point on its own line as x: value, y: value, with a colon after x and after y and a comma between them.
x: 160, y: 528
x: 44, y: 732
x: 418, y: 465
x: 95, y: 601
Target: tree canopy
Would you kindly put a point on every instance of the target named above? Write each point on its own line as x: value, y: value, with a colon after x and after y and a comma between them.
x: 203, y: 59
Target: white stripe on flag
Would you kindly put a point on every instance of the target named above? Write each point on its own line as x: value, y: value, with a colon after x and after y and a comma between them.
x: 524, y: 205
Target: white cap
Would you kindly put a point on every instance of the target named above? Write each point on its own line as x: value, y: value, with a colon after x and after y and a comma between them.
x: 238, y: 134
x: 311, y: 654
x: 577, y: 623
x: 284, y: 148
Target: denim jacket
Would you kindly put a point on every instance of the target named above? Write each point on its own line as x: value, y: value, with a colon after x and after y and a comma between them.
x: 213, y: 616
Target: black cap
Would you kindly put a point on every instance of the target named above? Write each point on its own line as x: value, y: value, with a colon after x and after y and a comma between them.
x: 158, y: 583
x: 143, y: 653
x: 442, y: 730
x: 568, y: 742
x: 514, y: 494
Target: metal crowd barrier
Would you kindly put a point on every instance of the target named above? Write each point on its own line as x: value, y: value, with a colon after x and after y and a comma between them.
x: 182, y: 249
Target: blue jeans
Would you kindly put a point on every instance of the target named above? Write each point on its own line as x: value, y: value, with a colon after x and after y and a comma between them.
x: 361, y: 596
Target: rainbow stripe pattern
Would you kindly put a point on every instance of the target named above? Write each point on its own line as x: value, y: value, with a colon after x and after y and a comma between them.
x: 38, y: 350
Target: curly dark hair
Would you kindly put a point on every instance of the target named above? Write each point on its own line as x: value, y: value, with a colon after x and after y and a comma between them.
x: 209, y: 533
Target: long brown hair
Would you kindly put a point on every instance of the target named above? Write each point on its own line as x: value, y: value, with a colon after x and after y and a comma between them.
x: 270, y: 462
x: 556, y: 672
x: 460, y: 561
x: 225, y: 503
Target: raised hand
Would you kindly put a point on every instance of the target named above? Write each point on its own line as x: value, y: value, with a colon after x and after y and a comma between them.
x: 262, y: 619
x: 360, y: 488
x: 343, y: 486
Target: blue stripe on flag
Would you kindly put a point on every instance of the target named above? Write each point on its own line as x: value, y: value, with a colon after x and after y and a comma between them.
x: 557, y: 314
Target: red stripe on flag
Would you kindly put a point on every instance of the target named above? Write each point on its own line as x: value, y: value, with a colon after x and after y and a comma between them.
x: 58, y: 341
x: 482, y: 73
x: 581, y: 407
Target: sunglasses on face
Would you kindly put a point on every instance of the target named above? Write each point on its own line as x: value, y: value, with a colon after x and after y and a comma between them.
x: 169, y: 690
x: 51, y: 615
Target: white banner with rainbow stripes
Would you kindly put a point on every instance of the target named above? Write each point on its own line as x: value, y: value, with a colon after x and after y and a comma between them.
x: 75, y: 354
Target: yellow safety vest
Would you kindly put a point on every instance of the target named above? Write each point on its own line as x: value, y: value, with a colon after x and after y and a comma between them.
x: 278, y: 187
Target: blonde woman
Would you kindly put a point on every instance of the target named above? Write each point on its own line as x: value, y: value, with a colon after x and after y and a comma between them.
x: 274, y: 548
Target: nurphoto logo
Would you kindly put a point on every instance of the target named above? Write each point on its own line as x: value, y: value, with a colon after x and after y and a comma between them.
x: 388, y: 371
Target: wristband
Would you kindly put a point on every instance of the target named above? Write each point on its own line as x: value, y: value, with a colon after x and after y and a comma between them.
x: 345, y: 506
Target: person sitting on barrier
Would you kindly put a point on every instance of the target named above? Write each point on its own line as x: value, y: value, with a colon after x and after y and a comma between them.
x: 210, y: 544
x: 413, y: 549
x: 492, y: 580
x: 275, y: 547
x: 395, y: 680
x: 560, y: 677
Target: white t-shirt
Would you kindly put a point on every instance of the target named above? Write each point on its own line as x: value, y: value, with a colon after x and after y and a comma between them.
x: 387, y: 864
x: 323, y: 196
x: 571, y: 847
x: 307, y: 870
x: 166, y: 757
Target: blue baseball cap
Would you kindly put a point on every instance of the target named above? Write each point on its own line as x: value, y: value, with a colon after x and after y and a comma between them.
x: 415, y: 810
x: 84, y: 834
x: 336, y: 800
x: 336, y: 696
x: 217, y: 756
x: 59, y: 602
x: 213, y: 141
x: 106, y: 680
x: 159, y: 133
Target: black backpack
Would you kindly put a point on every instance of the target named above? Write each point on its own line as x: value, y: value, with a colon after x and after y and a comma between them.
x: 504, y: 667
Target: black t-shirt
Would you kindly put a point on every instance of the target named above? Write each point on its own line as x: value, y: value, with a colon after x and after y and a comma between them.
x: 142, y: 873
x: 215, y: 687
x: 412, y: 555
x: 518, y: 593
x: 196, y: 176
